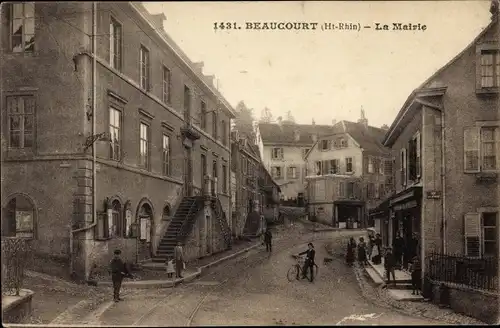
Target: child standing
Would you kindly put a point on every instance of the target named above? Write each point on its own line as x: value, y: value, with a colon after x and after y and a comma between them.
x: 415, y: 275
x: 389, y: 264
x: 170, y: 267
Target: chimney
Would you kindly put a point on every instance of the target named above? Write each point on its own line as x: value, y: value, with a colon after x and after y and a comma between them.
x: 158, y: 19
x: 385, y: 127
x: 313, y: 122
x: 363, y: 119
x: 210, y: 79
x: 199, y: 67
x: 296, y: 135
x: 334, y: 121
x: 494, y: 9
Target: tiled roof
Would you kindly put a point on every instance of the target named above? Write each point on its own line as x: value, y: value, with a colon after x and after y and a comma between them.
x: 273, y: 133
x: 369, y: 138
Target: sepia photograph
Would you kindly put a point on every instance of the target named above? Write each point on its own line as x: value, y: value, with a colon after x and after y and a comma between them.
x: 250, y: 163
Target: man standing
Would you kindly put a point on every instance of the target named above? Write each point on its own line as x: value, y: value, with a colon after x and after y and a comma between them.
x: 179, y: 260
x: 118, y: 271
x: 309, y: 262
x: 268, y: 240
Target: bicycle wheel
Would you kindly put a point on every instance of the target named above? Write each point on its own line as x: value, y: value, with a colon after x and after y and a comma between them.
x: 292, y: 273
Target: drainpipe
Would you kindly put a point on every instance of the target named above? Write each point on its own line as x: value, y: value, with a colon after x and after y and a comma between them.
x: 443, y: 182
x: 94, y: 104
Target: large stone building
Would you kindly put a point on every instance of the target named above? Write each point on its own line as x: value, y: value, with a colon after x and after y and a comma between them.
x: 283, y: 146
x: 446, y: 142
x: 78, y: 196
x: 348, y: 172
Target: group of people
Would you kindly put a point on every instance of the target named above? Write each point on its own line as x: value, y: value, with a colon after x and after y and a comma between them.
x: 404, y: 256
x: 365, y: 252
x: 119, y: 270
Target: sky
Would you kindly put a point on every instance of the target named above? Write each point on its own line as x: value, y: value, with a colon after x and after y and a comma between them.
x: 323, y: 75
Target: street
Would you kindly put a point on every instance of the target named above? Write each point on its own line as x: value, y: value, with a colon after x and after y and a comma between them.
x: 253, y: 290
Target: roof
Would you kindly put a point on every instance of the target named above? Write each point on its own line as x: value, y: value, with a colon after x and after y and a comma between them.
x: 274, y: 133
x: 422, y: 86
x: 368, y: 137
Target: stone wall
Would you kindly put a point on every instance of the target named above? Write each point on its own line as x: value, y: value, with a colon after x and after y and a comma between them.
x: 475, y: 303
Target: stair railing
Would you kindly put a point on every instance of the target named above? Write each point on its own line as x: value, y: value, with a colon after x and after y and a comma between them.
x: 221, y: 216
x: 185, y: 227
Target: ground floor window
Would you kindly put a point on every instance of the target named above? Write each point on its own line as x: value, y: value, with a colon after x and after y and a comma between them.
x: 18, y: 218
x: 489, y: 226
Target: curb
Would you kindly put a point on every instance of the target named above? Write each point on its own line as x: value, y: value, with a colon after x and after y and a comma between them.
x: 146, y: 284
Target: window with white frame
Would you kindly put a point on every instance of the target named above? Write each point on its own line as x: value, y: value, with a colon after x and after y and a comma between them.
x: 350, y: 189
x: 22, y: 29
x: 144, y: 146
x: 291, y: 172
x: 341, y: 190
x: 165, y: 94
x: 480, y: 145
x: 115, y: 134
x: 343, y: 143
x: 166, y: 154
x: 276, y: 172
x: 490, y: 68
x: 144, y: 68
x: 115, y: 44
x: 334, y: 166
x: 203, y: 115
x: 21, y: 113
x: 324, y: 145
x: 318, y: 167
x: 349, y: 165
x: 370, y: 164
x: 277, y: 153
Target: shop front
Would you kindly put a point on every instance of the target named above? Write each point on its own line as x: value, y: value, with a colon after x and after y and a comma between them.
x: 405, y: 211
x: 349, y: 214
x: 379, y: 216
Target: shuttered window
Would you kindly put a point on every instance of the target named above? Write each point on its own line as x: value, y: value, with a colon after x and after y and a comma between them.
x: 472, y: 227
x: 418, y: 154
x: 471, y: 149
x: 403, y: 167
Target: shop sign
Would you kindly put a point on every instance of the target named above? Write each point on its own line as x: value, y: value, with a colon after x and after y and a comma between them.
x: 434, y: 194
x: 405, y: 206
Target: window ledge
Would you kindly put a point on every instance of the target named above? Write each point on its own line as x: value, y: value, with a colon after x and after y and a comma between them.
x: 487, y: 91
x: 486, y: 176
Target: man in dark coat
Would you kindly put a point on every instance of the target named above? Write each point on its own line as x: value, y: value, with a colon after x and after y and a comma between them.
x: 268, y: 237
x: 179, y: 260
x: 118, y: 271
x: 399, y: 249
x: 309, y: 262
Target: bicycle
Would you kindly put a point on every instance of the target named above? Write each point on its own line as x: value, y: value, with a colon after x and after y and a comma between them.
x: 296, y: 273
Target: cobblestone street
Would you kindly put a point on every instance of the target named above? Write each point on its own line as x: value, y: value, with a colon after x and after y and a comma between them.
x: 253, y: 290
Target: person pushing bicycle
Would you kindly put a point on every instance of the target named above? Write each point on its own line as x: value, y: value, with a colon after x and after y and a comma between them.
x: 309, y: 262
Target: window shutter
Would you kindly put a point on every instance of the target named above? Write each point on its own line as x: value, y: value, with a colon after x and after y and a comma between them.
x: 472, y: 229
x: 367, y: 159
x: 471, y: 149
x: 326, y: 167
x: 353, y: 164
x: 283, y: 172
x: 419, y: 155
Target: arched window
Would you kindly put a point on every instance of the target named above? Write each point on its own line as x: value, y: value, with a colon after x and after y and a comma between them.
x: 166, y: 213
x: 116, y: 210
x: 18, y: 218
x: 145, y: 216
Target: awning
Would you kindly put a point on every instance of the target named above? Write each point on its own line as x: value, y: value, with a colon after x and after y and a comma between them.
x: 408, y: 198
x: 381, y: 209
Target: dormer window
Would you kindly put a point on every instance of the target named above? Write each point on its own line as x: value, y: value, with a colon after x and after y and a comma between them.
x: 343, y: 143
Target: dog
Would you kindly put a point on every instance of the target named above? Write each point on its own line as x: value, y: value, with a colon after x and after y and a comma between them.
x: 327, y: 260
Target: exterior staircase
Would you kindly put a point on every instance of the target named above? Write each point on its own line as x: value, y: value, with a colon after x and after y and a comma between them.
x: 221, y: 218
x: 179, y: 228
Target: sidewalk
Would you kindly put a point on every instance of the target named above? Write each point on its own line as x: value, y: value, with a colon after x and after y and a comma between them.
x: 155, y: 276
x: 385, y: 298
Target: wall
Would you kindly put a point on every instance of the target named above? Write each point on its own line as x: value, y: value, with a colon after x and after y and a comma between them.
x: 292, y: 156
x: 478, y: 304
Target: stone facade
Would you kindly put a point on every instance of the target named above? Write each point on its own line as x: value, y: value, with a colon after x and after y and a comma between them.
x: 54, y: 173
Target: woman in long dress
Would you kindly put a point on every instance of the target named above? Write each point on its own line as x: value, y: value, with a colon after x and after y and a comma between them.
x: 376, y: 254
x: 362, y: 251
x: 351, y: 249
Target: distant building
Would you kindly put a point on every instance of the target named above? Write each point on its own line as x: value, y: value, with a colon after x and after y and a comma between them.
x: 283, y: 147
x: 348, y: 172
